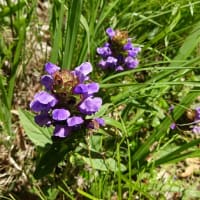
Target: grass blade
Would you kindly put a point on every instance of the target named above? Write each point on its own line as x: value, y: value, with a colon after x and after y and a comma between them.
x: 144, y: 149
x: 57, y: 36
x: 71, y: 35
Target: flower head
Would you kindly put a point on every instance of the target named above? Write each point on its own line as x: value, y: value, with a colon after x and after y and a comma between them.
x: 67, y: 100
x: 118, y: 53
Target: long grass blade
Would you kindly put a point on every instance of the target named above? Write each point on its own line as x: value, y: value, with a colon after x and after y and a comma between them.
x: 71, y: 35
x: 57, y: 36
x: 144, y: 149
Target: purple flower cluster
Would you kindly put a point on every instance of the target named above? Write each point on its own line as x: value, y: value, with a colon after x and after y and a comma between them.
x: 118, y: 53
x: 193, y: 115
x: 196, y: 127
x: 67, y: 99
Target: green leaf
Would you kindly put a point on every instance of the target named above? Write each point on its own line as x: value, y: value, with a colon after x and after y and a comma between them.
x: 113, y: 122
x: 180, y: 153
x: 56, y: 152
x: 50, y: 159
x: 38, y: 135
x: 104, y: 108
x: 108, y: 164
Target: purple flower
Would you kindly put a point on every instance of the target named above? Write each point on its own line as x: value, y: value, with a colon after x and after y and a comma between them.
x: 118, y: 53
x: 111, y: 61
x: 197, y: 117
x: 95, y: 123
x: 173, y: 126
x: 134, y: 52
x: 107, y: 44
x: 90, y: 105
x: 67, y: 100
x: 80, y: 89
x: 102, y: 64
x: 43, y: 119
x: 104, y: 51
x: 92, y: 88
x: 43, y: 101
x: 110, y: 32
x: 130, y: 62
x: 171, y: 108
x: 196, y: 129
x: 119, y: 68
x: 74, y: 121
x: 82, y: 71
x: 128, y: 46
x: 60, y: 114
x: 84, y: 68
x: 100, y: 121
x: 51, y: 68
x: 61, y: 131
x: 47, y: 81
x: 87, y: 89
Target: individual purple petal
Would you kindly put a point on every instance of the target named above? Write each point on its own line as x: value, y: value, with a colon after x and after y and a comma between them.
x: 81, y: 77
x: 45, y: 98
x: 100, y: 121
x: 197, y: 110
x: 43, y: 101
x: 90, y: 105
x: 80, y: 89
x: 172, y: 126
x: 102, y: 63
x: 92, y: 88
x: 171, y: 108
x: 104, y: 51
x: 111, y: 61
x: 119, y: 68
x: 82, y: 71
x: 61, y: 131
x: 87, y: 89
x: 110, y: 32
x: 43, y: 119
x: 95, y: 123
x: 74, y: 121
x: 130, y: 62
x: 84, y: 68
x: 36, y: 106
x: 134, y: 52
x: 51, y: 68
x: 107, y: 44
x: 60, y: 114
x: 196, y: 129
x: 47, y: 81
x: 128, y: 46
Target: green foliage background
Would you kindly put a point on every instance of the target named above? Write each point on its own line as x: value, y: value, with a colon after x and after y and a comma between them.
x: 124, y: 159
